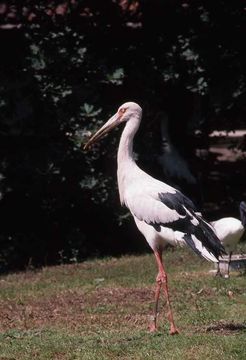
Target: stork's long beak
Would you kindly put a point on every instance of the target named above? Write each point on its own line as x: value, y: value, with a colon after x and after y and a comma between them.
x: 107, y: 127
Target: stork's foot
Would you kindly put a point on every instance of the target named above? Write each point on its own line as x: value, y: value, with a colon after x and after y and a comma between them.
x: 218, y: 274
x: 152, y: 328
x: 153, y: 323
x: 173, y: 330
x: 225, y: 276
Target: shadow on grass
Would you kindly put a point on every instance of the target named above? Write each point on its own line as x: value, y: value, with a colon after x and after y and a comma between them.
x: 226, y: 328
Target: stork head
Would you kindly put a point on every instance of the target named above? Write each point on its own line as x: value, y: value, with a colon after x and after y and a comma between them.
x: 126, y: 112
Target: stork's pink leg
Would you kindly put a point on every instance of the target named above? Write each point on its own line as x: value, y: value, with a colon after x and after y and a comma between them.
x: 153, y: 326
x: 161, y: 279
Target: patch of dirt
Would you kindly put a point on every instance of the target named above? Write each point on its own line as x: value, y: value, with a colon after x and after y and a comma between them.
x: 225, y: 328
x: 121, y: 295
x: 73, y: 308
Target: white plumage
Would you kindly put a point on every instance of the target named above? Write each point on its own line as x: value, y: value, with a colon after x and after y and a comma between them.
x: 229, y: 231
x: 162, y: 213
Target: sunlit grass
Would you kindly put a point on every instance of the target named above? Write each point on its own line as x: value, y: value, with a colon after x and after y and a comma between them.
x: 100, y: 309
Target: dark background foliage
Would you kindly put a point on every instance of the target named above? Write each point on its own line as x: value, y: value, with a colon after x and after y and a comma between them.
x: 65, y: 67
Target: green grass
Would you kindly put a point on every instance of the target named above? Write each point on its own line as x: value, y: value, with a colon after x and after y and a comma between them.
x: 101, y: 309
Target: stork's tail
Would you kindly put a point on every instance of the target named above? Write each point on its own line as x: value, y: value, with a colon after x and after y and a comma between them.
x: 242, y: 209
x: 198, y: 247
x: 205, y: 242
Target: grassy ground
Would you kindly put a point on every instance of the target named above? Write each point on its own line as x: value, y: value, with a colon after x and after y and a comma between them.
x: 101, y: 310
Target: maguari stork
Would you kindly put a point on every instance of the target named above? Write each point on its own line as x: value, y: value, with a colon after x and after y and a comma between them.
x: 162, y: 213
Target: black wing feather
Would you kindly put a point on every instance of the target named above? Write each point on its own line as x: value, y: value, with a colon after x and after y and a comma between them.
x: 202, y: 231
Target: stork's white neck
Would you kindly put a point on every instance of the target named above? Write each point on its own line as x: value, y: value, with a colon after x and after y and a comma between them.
x: 125, y: 157
x: 125, y: 150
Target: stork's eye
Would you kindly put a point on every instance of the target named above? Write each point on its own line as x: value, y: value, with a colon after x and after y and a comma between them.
x: 122, y: 111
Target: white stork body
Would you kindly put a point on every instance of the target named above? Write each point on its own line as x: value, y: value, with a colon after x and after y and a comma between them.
x: 229, y: 231
x: 162, y: 213
x: 141, y: 194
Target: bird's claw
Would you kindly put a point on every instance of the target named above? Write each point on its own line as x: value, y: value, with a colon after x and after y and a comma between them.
x: 173, y: 330
x: 218, y: 274
x: 152, y: 328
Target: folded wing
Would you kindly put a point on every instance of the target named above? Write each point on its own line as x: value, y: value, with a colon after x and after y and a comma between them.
x: 171, y: 209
